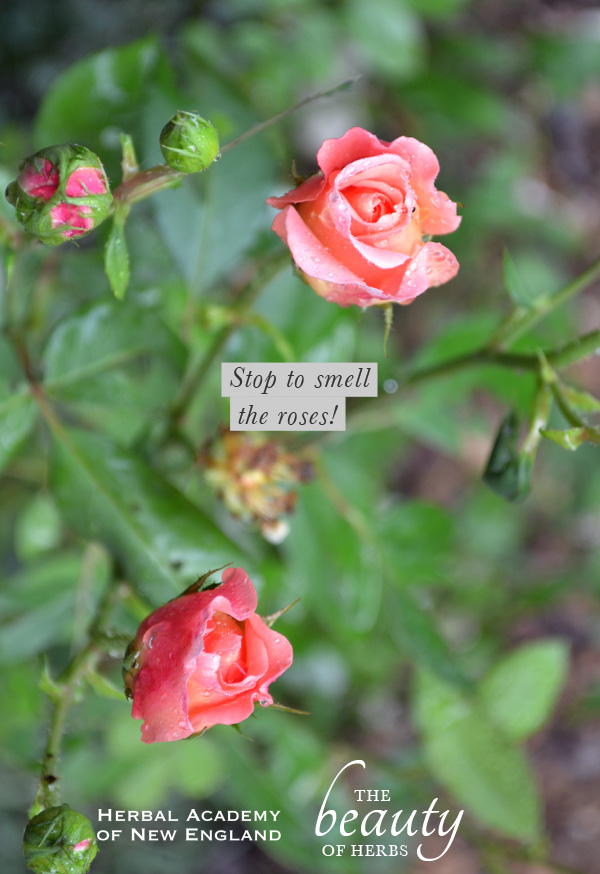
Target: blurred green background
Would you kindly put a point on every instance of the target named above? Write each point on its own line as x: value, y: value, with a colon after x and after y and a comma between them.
x: 415, y: 581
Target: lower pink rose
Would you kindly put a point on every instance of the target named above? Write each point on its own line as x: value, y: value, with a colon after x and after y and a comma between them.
x: 203, y: 659
x: 358, y: 229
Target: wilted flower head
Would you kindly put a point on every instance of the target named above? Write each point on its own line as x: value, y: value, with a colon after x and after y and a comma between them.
x: 61, y: 193
x: 255, y: 479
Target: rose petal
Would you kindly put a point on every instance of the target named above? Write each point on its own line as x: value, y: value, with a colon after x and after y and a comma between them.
x: 307, y: 190
x: 324, y: 273
x: 432, y: 265
x: 42, y: 182
x: 72, y: 217
x: 85, y: 181
x: 437, y: 211
x: 356, y: 143
x: 268, y: 655
x: 278, y: 647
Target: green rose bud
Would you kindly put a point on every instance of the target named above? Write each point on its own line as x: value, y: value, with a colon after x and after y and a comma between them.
x: 61, y: 193
x: 59, y: 841
x: 189, y: 143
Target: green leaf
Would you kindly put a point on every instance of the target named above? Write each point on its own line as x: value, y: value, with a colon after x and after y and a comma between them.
x: 437, y: 8
x: 109, y: 351
x: 17, y: 409
x: 37, y: 607
x: 161, y: 539
x: 389, y: 35
x: 415, y: 628
x: 572, y: 438
x: 38, y: 528
x: 131, y: 770
x: 579, y: 400
x: 514, y: 284
x: 519, y: 694
x: 469, y: 755
x: 17, y: 417
x: 103, y: 687
x: 46, y: 683
x: 116, y: 258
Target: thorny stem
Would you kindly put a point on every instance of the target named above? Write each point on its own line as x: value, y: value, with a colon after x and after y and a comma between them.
x: 48, y: 794
x: 522, y: 320
x: 572, y: 417
x: 372, y: 415
x: 145, y: 183
x: 257, y: 128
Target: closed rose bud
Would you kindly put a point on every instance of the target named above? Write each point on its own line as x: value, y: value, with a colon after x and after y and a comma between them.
x: 255, y: 479
x: 189, y: 143
x: 60, y: 194
x: 203, y: 659
x: 59, y: 840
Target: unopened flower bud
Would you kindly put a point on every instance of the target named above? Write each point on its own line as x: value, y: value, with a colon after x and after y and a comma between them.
x: 189, y: 143
x: 59, y: 841
x: 61, y: 193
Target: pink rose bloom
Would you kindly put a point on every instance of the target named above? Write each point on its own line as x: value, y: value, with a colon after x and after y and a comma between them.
x: 203, y: 659
x: 356, y: 229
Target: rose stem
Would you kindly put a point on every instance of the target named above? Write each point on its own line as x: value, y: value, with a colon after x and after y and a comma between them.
x: 48, y: 794
x: 377, y: 413
x: 521, y: 320
x: 145, y: 183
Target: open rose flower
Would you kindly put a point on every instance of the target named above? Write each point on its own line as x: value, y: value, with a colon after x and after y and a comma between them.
x: 61, y: 193
x: 356, y: 229
x: 203, y: 659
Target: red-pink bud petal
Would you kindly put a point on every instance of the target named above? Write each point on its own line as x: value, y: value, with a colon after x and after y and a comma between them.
x: 73, y: 218
x: 41, y: 183
x: 84, y: 181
